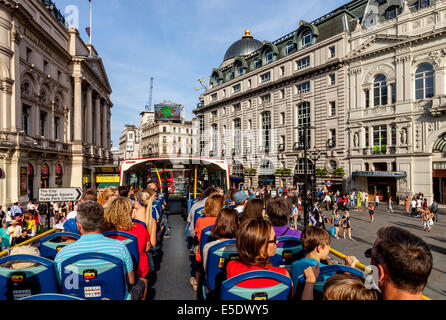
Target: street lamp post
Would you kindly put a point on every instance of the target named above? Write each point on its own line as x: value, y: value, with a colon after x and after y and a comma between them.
x: 314, y: 156
x: 303, y: 145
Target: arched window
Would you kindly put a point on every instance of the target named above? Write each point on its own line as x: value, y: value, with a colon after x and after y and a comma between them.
x: 307, y: 39
x: 392, y: 12
x: 424, y: 82
x: 269, y: 56
x: 289, y: 48
x: 380, y: 90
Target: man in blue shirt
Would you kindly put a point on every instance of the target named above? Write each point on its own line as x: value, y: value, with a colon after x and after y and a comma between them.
x: 15, y: 210
x: 89, y: 220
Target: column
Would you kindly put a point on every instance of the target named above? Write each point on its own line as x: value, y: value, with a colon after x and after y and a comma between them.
x: 407, y: 79
x: 399, y: 83
x: 105, y: 119
x: 51, y: 119
x: 89, y: 115
x: 78, y: 109
x: 371, y: 138
x: 98, y: 121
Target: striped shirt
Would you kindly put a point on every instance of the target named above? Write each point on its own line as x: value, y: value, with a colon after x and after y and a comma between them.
x: 94, y: 243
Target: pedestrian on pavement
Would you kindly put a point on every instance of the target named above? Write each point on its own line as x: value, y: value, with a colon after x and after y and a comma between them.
x: 425, y: 216
x: 366, y: 199
x: 14, y: 231
x: 346, y: 225
x: 413, y: 203
x: 419, y: 206
x: 4, y: 237
x: 8, y: 217
x: 327, y: 201
x: 407, y: 200
x: 425, y: 204
x: 336, y: 222
x: 390, y: 207
x: 377, y: 200
x: 434, y: 209
x: 371, y: 212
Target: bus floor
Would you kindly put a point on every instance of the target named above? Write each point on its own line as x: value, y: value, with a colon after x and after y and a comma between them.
x: 172, y: 266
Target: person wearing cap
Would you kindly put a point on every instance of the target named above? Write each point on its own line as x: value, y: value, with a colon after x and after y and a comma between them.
x: 240, y: 199
x: 14, y: 232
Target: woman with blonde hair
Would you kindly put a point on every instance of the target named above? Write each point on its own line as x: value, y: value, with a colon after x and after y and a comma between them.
x: 118, y: 217
x: 143, y: 212
x: 107, y: 196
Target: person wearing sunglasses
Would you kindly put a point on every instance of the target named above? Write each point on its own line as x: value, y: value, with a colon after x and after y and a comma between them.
x: 404, y: 263
x: 256, y: 244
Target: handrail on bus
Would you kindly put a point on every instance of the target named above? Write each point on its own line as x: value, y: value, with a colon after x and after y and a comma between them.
x: 36, y: 238
x: 359, y: 265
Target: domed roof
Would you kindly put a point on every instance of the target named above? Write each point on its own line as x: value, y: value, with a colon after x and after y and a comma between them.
x: 243, y: 47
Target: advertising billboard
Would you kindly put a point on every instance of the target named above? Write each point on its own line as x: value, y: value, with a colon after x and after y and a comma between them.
x: 167, y: 112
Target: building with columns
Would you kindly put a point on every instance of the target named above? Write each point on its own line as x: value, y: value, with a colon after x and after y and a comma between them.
x: 263, y: 95
x: 397, y: 100
x: 55, y: 103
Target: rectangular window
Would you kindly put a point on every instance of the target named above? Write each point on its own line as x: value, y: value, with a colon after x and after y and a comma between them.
x: 303, y: 63
x: 333, y: 137
x: 367, y: 98
x: 282, y: 142
x: 282, y: 70
x: 282, y: 94
x: 282, y: 118
x: 237, y: 135
x: 270, y: 57
x: 249, y: 83
x: 214, y: 128
x: 45, y: 66
x: 25, y: 119
x: 250, y: 124
x: 304, y: 87
x: 237, y: 107
x: 214, y: 113
x: 164, y: 139
x: 393, y: 135
x: 257, y: 64
x: 164, y: 129
x: 59, y: 76
x: 236, y: 88
x: 424, y: 3
x: 332, y: 108
x: 164, y: 150
x: 332, y: 52
x: 56, y: 128
x: 265, y: 77
x: 43, y: 116
x: 332, y: 79
x: 380, y: 136
x: 28, y: 55
x: 303, y: 122
x: 265, y: 98
x: 214, y: 97
x: 393, y: 88
x: 266, y: 130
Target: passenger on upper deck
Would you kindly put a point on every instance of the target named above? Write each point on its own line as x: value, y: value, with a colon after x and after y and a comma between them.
x: 198, y: 204
x: 256, y: 244
x: 254, y: 209
x: 279, y: 213
x: 142, y: 214
x: 404, y: 262
x: 87, y: 195
x: 229, y: 197
x: 89, y: 219
x: 225, y: 228
x: 117, y: 217
x: 107, y: 196
x: 240, y: 199
x: 212, y: 208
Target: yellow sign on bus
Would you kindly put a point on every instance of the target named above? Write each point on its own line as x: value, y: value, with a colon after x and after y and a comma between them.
x: 107, y: 179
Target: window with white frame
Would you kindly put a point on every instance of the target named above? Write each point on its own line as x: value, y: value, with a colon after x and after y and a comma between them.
x: 282, y: 118
x: 266, y: 131
x: 332, y: 52
x: 424, y: 82
x: 265, y: 77
x: 237, y: 135
x: 237, y: 88
x: 303, y: 87
x: 269, y: 56
x: 303, y: 63
x: 303, y: 122
x: 237, y: 107
x: 307, y: 39
x: 289, y: 48
x: 380, y: 91
x: 332, y: 79
x: 214, y: 97
x: 332, y: 108
x: 265, y: 98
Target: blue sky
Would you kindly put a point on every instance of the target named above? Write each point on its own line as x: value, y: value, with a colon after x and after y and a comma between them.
x: 177, y: 42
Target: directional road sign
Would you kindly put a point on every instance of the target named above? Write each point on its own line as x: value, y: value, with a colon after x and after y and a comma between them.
x: 60, y: 194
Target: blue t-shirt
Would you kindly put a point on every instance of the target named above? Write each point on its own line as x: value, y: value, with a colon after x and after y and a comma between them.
x: 95, y: 243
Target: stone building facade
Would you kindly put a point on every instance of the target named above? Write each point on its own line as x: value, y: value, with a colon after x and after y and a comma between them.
x: 55, y: 103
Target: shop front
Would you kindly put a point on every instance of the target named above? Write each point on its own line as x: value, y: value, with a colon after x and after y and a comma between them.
x: 439, y: 182
x: 44, y: 176
x: 381, y: 183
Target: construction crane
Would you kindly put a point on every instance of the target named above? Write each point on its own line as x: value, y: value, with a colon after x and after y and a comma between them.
x: 149, y: 107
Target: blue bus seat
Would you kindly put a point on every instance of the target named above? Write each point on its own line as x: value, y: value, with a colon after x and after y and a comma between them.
x: 104, y: 280
x: 51, y: 297
x: 218, y: 257
x: 131, y: 243
x: 19, y: 283
x: 206, y: 237
x: 326, y: 272
x: 49, y: 247
x: 292, y: 250
x: 280, y: 291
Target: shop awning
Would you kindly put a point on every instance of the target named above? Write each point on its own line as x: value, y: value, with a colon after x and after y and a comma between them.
x: 380, y: 174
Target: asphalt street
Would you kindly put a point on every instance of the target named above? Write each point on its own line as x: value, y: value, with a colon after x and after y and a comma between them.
x: 364, y: 235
